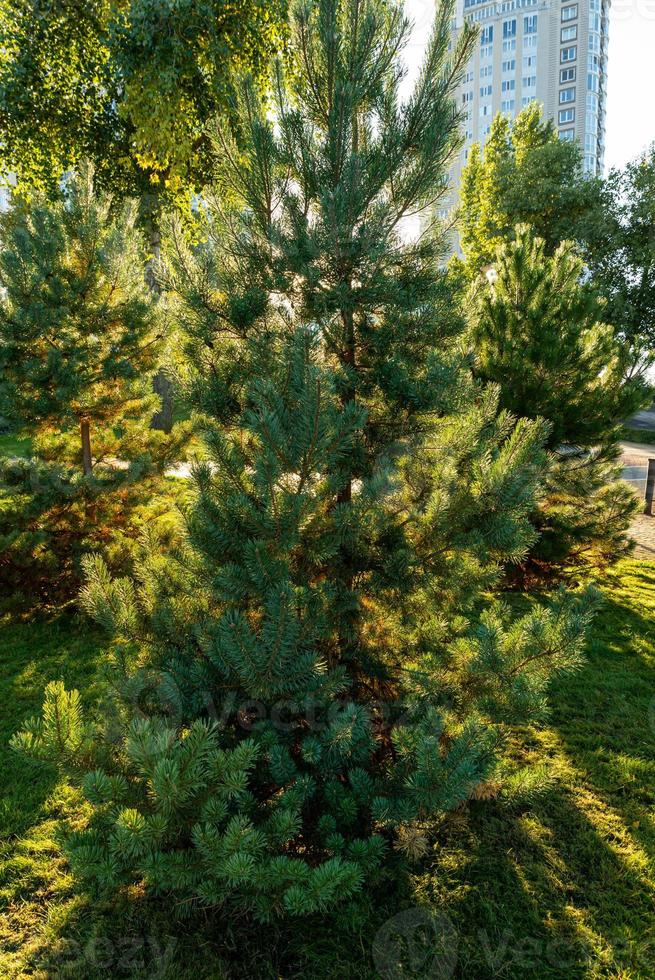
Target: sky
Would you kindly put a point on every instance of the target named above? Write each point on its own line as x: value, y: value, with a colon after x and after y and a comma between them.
x: 631, y: 86
x: 630, y: 125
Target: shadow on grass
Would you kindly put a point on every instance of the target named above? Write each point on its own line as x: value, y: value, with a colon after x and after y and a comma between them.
x: 563, y: 889
x: 567, y: 889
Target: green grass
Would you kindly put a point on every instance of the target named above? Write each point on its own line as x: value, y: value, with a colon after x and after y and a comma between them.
x: 564, y: 888
x: 645, y: 436
x: 13, y: 445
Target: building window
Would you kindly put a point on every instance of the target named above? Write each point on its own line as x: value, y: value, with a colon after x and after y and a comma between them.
x: 485, y: 110
x: 530, y: 41
x: 569, y: 33
x: 529, y: 81
x: 527, y: 99
x: 509, y: 65
x: 567, y: 95
x: 566, y: 116
x: 509, y: 85
x: 567, y: 75
x: 485, y: 90
x: 509, y: 46
x: 486, y: 71
x: 530, y: 24
x: 570, y: 12
x: 508, y: 105
x: 487, y: 35
x: 530, y: 61
x: 509, y: 28
x: 568, y: 54
x: 567, y: 134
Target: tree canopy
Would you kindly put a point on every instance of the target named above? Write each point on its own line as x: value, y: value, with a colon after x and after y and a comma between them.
x: 620, y: 250
x: 128, y: 85
x: 524, y: 175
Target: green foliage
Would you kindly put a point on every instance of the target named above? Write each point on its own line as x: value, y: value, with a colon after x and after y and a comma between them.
x: 80, y: 336
x: 538, y: 334
x: 319, y: 669
x: 525, y: 175
x: 620, y: 251
x: 127, y: 85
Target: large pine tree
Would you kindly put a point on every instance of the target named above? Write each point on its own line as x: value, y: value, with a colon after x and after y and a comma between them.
x: 320, y: 672
x: 80, y: 336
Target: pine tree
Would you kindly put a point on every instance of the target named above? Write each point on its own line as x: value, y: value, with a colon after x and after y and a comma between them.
x: 80, y: 337
x: 319, y: 672
x: 538, y: 333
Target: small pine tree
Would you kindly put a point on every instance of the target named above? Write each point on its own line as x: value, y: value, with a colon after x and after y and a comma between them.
x: 319, y: 671
x: 80, y: 337
x: 538, y: 333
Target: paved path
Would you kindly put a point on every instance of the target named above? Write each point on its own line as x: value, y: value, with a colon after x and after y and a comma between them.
x: 643, y: 534
x: 643, y: 526
x: 643, y: 420
x: 638, y: 449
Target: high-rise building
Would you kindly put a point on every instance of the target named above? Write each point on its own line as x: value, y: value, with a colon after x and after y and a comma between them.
x: 550, y: 51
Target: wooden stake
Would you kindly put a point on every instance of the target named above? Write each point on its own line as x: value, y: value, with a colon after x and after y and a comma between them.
x: 87, y: 463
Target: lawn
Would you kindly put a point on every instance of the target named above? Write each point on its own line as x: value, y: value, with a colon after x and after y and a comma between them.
x: 563, y: 888
x: 644, y: 436
x: 13, y: 445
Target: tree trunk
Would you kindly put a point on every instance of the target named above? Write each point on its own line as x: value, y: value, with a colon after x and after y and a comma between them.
x: 348, y: 629
x: 87, y: 462
x: 163, y: 419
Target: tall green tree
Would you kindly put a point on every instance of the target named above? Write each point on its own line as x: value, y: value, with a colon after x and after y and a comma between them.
x: 524, y: 175
x: 80, y: 336
x: 319, y: 673
x: 619, y: 249
x: 538, y: 332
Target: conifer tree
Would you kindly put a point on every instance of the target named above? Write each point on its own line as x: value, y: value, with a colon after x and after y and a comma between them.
x: 80, y: 336
x: 319, y: 673
x: 538, y: 333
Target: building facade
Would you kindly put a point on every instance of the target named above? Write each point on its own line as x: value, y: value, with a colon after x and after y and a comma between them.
x: 553, y: 52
